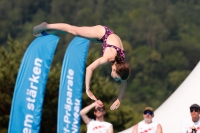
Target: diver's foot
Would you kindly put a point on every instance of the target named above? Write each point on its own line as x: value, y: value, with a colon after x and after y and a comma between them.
x: 44, y: 33
x: 39, y: 28
x: 49, y: 32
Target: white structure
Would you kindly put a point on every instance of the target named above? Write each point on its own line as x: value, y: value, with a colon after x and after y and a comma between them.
x: 176, y: 108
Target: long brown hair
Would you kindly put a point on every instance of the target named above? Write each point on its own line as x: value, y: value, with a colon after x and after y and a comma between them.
x: 122, y: 69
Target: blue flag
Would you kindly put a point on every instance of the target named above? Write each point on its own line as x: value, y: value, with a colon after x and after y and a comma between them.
x: 30, y: 86
x: 71, y: 82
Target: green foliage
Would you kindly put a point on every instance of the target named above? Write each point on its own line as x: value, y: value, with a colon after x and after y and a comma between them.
x: 161, y: 41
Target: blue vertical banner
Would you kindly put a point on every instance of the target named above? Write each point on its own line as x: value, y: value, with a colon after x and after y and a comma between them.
x: 71, y: 83
x: 26, y: 110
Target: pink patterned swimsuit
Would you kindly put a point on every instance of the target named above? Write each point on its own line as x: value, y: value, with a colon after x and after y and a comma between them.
x: 120, y: 53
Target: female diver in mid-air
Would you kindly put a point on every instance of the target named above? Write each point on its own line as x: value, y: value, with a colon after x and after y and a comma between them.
x: 113, y: 52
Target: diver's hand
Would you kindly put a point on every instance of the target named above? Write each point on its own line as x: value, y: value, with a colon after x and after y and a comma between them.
x: 90, y: 95
x: 115, y: 105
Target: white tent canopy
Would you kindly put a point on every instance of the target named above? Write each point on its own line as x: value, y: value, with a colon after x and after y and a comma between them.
x: 176, y: 108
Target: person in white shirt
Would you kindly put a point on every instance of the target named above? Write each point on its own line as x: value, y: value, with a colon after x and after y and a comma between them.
x: 98, y: 125
x: 147, y: 125
x: 192, y: 125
